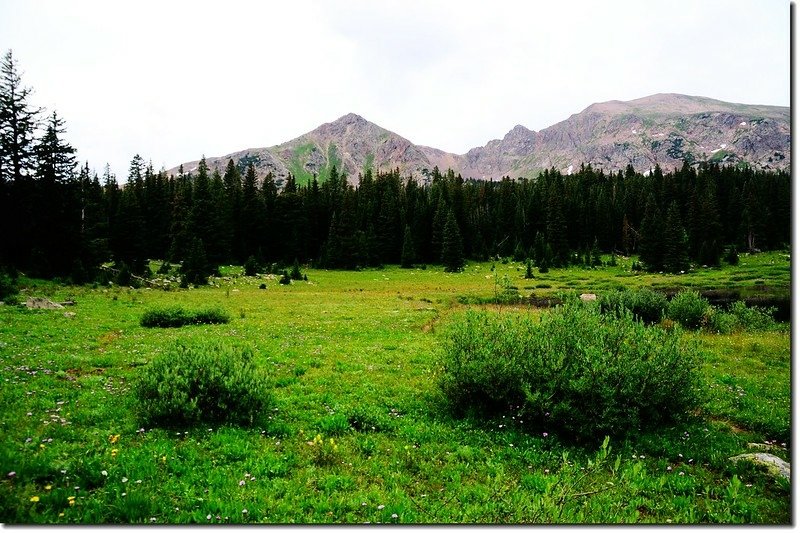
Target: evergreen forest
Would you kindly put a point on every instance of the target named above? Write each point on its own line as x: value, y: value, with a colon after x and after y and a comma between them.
x: 60, y: 219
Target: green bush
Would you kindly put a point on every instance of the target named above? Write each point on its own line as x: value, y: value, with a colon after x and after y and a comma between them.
x: 688, y: 308
x: 753, y: 318
x: 252, y: 267
x: 202, y: 383
x: 577, y: 371
x: 8, y: 287
x: 645, y: 304
x: 719, y: 321
x: 741, y: 318
x: 175, y: 317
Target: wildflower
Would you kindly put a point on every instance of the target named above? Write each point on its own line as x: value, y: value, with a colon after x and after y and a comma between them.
x: 48, y: 487
x: 641, y: 457
x: 138, y: 481
x: 681, y: 474
x: 241, y: 483
x: 71, y: 501
x: 394, y: 515
x: 60, y: 515
x: 11, y: 475
x: 34, y: 499
x: 669, y: 469
x: 124, y: 494
x: 381, y: 506
x: 544, y: 434
x: 114, y: 452
x: 152, y: 519
x: 244, y: 511
x: 208, y: 517
x: 104, y: 472
x: 163, y: 458
x: 124, y: 480
x: 113, y: 439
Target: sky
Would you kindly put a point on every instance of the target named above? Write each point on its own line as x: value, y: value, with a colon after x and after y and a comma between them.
x: 174, y: 80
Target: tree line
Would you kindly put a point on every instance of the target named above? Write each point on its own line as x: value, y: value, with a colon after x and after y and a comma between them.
x: 61, y: 220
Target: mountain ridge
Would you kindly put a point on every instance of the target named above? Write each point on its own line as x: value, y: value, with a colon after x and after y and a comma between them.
x: 665, y: 129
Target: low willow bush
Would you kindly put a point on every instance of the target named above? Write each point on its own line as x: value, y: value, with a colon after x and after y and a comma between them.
x: 576, y: 371
x: 202, y: 383
x: 740, y: 317
x: 688, y: 308
x: 175, y: 317
x: 645, y: 304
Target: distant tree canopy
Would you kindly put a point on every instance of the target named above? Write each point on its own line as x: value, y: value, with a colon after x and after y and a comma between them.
x: 55, y: 221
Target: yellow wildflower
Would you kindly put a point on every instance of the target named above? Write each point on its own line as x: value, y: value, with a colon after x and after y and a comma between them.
x: 60, y: 515
x: 48, y: 487
x: 34, y: 499
x: 113, y: 439
x: 163, y: 458
x: 114, y: 452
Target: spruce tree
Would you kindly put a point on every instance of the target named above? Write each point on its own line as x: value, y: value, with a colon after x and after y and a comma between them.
x: 18, y: 121
x: 408, y: 256
x: 651, y: 237
x: 676, y: 242
x: 195, y: 268
x: 452, y: 247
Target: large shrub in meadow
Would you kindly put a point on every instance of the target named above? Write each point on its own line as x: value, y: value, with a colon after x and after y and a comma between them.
x: 202, y: 383
x: 688, y: 308
x: 645, y: 304
x: 576, y: 371
x: 176, y: 316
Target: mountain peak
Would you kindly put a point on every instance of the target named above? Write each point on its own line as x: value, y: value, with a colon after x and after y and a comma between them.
x: 666, y: 129
x: 350, y: 118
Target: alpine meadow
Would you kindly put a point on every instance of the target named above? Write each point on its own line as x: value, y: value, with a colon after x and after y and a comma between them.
x: 588, y: 324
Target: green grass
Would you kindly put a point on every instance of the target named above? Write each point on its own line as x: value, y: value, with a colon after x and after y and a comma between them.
x: 300, y: 158
x: 352, y: 356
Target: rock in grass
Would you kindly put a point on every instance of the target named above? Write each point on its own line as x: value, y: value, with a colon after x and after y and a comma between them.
x: 775, y: 465
x: 34, y: 302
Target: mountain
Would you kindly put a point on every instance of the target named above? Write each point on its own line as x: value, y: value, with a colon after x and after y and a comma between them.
x: 663, y: 129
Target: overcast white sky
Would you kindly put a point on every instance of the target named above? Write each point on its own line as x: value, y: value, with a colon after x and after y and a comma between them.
x: 175, y: 80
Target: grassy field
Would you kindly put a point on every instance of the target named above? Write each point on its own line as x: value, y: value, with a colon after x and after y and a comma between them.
x: 353, y: 357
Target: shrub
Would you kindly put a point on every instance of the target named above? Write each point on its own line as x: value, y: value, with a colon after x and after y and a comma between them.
x: 8, y: 287
x: 124, y: 277
x: 252, y: 266
x: 719, y: 321
x: 295, y: 274
x: 577, y: 371
x: 688, y: 308
x: 483, y: 363
x: 202, y: 383
x: 753, y: 318
x: 732, y: 256
x: 175, y: 317
x: 645, y: 304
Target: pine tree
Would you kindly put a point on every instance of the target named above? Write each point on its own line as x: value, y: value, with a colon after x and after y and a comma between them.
x: 408, y: 256
x: 18, y: 121
x: 195, y: 268
x: 676, y: 242
x: 651, y: 237
x: 437, y: 230
x: 452, y: 247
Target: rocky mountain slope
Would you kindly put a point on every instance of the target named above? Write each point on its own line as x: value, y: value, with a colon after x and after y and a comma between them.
x: 663, y: 129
